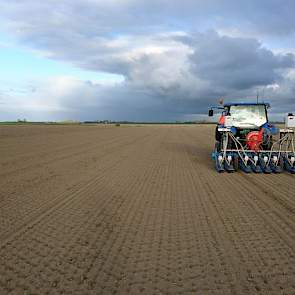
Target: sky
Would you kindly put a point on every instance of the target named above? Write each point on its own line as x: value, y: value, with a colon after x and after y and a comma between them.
x: 156, y: 60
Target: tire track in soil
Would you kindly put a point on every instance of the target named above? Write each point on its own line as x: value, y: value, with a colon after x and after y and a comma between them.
x: 271, y: 211
x: 282, y: 195
x: 217, y: 227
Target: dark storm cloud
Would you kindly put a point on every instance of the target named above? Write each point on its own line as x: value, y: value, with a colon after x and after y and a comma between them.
x: 170, y: 53
x: 93, y: 17
x: 236, y: 63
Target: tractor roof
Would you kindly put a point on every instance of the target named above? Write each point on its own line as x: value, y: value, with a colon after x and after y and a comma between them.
x: 246, y: 104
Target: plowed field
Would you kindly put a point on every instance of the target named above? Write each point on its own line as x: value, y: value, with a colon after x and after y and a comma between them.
x: 138, y: 210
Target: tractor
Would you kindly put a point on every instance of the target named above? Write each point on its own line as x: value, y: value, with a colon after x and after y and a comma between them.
x: 247, y: 141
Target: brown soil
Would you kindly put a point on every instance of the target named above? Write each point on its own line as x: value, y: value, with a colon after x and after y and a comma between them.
x: 138, y: 210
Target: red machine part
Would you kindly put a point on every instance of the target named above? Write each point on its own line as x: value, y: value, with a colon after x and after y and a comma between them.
x: 221, y: 120
x: 254, y: 139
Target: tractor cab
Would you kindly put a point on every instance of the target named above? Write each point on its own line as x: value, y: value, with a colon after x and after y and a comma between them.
x: 250, y: 116
x: 243, y: 115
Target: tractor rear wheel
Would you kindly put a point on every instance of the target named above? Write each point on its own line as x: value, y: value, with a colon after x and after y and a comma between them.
x: 236, y: 163
x: 217, y: 146
x: 217, y: 134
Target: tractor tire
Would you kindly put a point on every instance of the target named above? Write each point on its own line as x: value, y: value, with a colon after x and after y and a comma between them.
x: 217, y: 134
x: 217, y: 146
x: 236, y: 163
x: 268, y: 145
x: 282, y: 163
